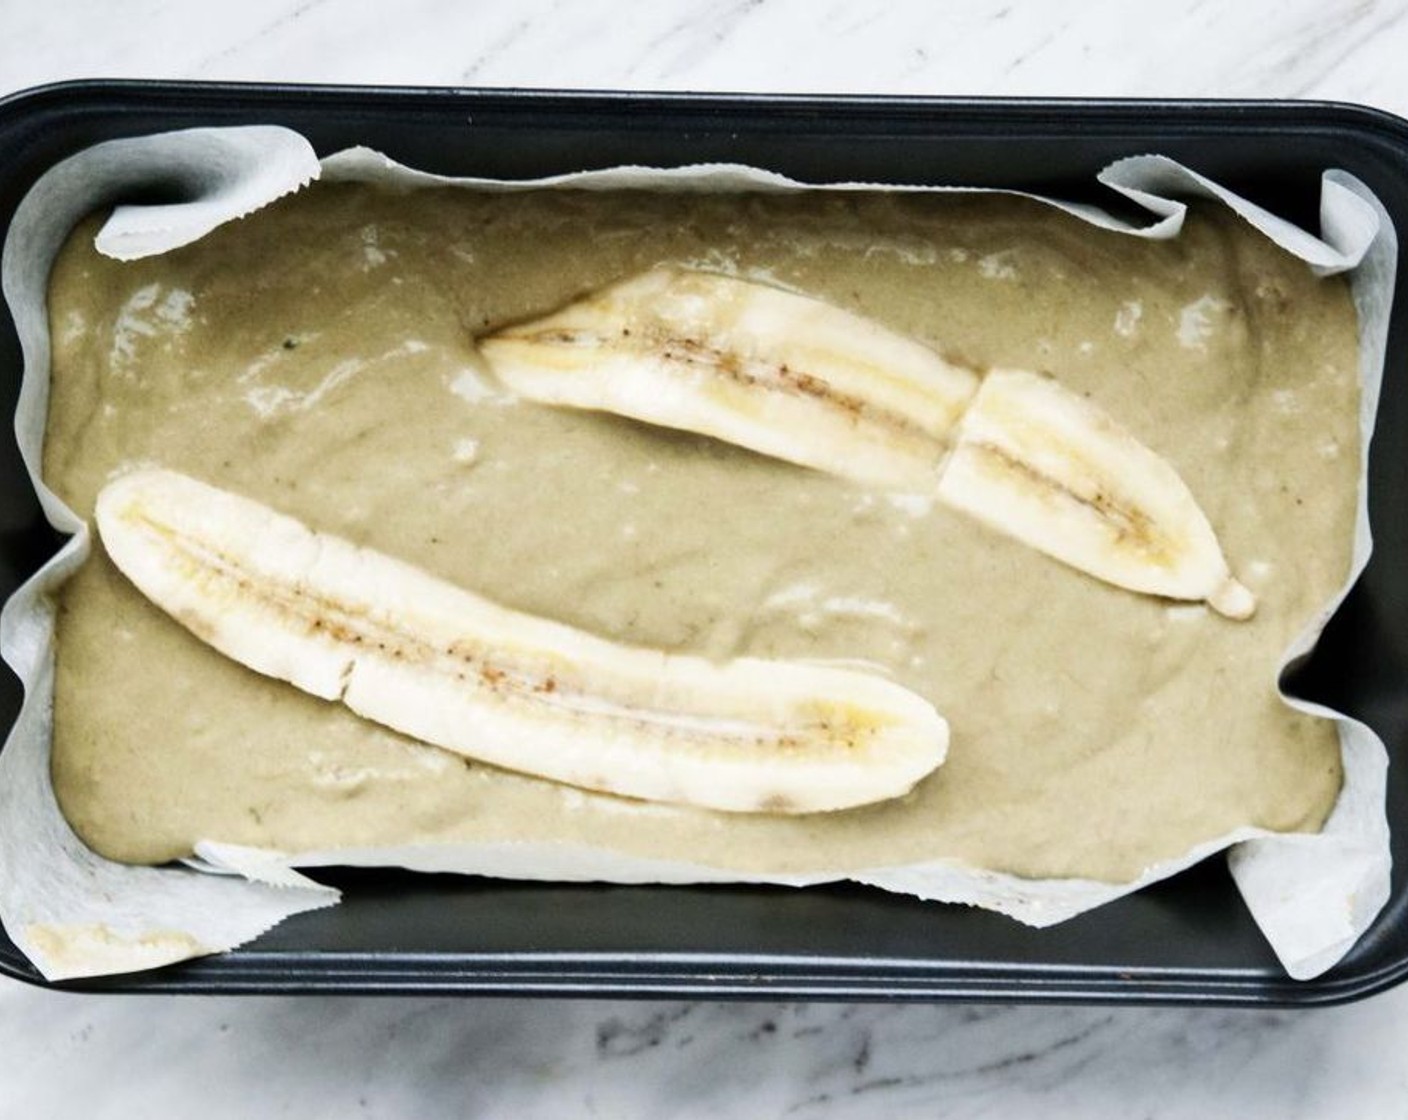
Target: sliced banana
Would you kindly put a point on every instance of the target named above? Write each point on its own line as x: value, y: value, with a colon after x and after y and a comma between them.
x: 779, y: 373
x: 797, y: 379
x: 1052, y: 470
x: 435, y: 662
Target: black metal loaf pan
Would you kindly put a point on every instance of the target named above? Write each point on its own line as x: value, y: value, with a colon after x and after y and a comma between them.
x: 1188, y: 940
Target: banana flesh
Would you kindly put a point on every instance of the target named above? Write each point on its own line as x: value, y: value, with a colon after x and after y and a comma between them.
x: 1048, y: 468
x: 442, y: 665
x: 797, y: 379
x: 778, y: 373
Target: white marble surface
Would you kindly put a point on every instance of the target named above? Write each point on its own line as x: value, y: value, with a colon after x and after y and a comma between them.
x: 97, y: 1057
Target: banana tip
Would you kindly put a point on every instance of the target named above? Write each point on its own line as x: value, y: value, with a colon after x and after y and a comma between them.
x: 1233, y: 600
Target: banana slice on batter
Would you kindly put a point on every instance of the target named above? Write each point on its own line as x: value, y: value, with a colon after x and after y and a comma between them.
x: 798, y: 379
x: 1050, y: 469
x: 778, y: 373
x: 445, y: 666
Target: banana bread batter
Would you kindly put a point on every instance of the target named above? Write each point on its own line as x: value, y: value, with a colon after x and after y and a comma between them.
x: 318, y: 356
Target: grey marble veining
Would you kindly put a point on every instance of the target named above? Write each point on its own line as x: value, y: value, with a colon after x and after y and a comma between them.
x: 97, y: 1057
x: 123, y: 1056
x: 1336, y: 49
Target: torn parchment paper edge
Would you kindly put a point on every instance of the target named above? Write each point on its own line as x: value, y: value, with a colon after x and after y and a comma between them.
x: 74, y: 914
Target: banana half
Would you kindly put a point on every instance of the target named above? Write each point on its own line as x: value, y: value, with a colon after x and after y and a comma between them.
x: 802, y: 381
x: 778, y: 373
x: 435, y: 662
x: 1048, y: 468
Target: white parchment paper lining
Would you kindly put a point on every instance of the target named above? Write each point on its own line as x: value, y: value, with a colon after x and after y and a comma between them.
x: 75, y: 914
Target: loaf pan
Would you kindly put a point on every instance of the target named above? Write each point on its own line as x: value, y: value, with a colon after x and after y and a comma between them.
x: 1186, y: 940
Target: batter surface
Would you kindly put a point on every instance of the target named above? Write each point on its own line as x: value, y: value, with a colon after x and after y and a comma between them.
x: 318, y: 356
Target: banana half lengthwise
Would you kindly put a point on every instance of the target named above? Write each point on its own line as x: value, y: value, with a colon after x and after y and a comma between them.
x: 793, y: 377
x: 1048, y: 468
x: 445, y: 666
x: 778, y: 373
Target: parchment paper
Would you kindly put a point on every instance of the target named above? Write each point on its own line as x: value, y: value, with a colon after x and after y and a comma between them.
x: 75, y: 914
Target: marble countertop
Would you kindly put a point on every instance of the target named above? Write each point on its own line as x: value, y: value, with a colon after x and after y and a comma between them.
x: 118, y: 1056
